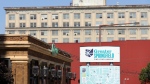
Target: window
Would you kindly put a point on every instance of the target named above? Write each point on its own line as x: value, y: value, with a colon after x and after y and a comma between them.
x: 11, y: 32
x: 12, y: 17
x: 54, y: 16
x: 55, y: 32
x: 65, y: 24
x: 43, y: 32
x: 88, y: 32
x: 110, y: 39
x: 33, y: 32
x: 44, y: 39
x: 121, y: 32
x: 54, y: 24
x: 33, y: 16
x: 22, y: 24
x: 66, y: 32
x: 88, y: 39
x: 144, y: 38
x: 44, y: 24
x: 98, y: 15
x: 97, y: 39
x: 76, y: 24
x: 143, y: 14
x: 109, y: 15
x: 144, y: 31
x: 121, y: 15
x: 144, y: 23
x: 97, y: 32
x: 22, y: 32
x: 121, y: 38
x: 76, y: 40
x: 66, y: 16
x: 22, y: 17
x: 87, y: 24
x: 132, y: 31
x: 33, y: 24
x: 55, y: 40
x: 132, y: 38
x: 77, y: 16
x: 11, y: 25
x: 43, y: 16
x: 132, y: 15
x: 76, y: 32
x: 110, y: 22
x: 98, y: 23
x: 65, y: 40
x: 87, y: 15
x: 110, y: 32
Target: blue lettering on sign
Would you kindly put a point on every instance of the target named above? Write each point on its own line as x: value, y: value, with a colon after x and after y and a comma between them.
x: 103, y: 54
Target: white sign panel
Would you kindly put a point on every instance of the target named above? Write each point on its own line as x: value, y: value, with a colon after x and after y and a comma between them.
x: 100, y: 54
x: 99, y: 74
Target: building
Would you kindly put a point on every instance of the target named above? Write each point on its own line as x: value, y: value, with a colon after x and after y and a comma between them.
x: 134, y: 55
x: 88, y: 2
x: 65, y: 24
x: 31, y: 61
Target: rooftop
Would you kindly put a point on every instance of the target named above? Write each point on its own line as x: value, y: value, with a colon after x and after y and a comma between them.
x: 78, y: 7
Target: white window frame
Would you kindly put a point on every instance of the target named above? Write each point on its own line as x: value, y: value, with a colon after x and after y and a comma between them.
x: 132, y: 31
x: 22, y: 17
x: 110, y: 15
x: 32, y: 16
x: 44, y: 32
x: 22, y: 25
x: 32, y: 24
x: 11, y: 25
x: 66, y: 16
x: 76, y: 15
x: 54, y: 24
x: 12, y: 17
x: 87, y: 15
x: 44, y: 24
x: 99, y: 15
x: 55, y: 16
x: 132, y: 14
x: 143, y: 14
x: 121, y: 15
x: 76, y: 24
x: 44, y: 16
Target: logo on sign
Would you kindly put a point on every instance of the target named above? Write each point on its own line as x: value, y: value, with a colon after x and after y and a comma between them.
x: 89, y: 52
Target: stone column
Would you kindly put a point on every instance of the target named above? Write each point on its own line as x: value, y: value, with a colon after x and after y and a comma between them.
x: 20, y: 72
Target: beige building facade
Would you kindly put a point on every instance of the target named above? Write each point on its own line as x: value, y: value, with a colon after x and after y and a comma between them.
x: 72, y: 23
x: 31, y: 61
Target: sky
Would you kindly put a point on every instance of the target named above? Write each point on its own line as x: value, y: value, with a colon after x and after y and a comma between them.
x: 26, y: 3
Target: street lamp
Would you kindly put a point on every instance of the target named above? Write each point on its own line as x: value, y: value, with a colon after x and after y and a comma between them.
x: 45, y: 71
x: 35, y: 72
x: 111, y: 25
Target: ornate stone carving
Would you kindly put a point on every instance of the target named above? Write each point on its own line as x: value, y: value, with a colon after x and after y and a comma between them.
x: 13, y: 38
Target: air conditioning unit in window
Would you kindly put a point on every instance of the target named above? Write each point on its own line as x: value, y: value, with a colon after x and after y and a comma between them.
x: 53, y: 18
x: 67, y: 34
x: 75, y: 34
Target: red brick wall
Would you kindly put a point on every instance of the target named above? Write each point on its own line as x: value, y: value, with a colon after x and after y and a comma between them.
x: 134, y: 55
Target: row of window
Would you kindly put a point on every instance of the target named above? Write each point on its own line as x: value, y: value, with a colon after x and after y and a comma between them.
x: 144, y: 31
x: 76, y: 24
x: 88, y: 39
x: 77, y: 16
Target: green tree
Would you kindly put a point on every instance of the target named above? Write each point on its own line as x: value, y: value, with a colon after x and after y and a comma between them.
x: 144, y: 76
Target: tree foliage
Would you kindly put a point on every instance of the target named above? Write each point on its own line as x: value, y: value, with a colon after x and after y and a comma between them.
x: 144, y: 76
x: 6, y: 76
